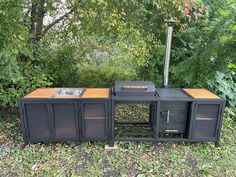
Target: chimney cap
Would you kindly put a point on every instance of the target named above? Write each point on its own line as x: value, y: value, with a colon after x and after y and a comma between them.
x: 170, y: 22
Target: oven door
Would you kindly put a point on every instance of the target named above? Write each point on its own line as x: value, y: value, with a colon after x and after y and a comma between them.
x: 173, y: 117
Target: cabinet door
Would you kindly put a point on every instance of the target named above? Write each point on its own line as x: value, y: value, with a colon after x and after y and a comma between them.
x: 37, y: 120
x: 173, y: 117
x: 65, y: 120
x: 94, y: 117
x: 206, y: 119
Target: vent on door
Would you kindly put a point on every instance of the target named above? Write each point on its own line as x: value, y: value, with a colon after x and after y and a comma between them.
x: 206, y: 120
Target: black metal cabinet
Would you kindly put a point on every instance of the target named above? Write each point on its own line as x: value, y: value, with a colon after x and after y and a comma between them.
x: 49, y: 120
x: 173, y: 111
x: 173, y: 116
x: 65, y: 120
x: 36, y: 118
x: 94, y: 120
x: 207, y: 119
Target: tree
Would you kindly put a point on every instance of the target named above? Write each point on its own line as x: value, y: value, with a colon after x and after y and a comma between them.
x: 37, y: 11
x: 43, y: 42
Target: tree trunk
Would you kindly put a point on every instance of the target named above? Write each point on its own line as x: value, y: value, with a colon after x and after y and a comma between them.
x: 37, y: 14
x: 40, y: 16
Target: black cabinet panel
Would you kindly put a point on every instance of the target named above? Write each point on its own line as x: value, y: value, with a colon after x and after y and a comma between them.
x: 205, y: 128
x: 94, y: 110
x: 94, y: 117
x: 94, y: 128
x: 65, y: 120
x: 37, y: 118
x: 173, y: 117
x: 206, y: 119
x: 95, y: 122
x: 207, y: 111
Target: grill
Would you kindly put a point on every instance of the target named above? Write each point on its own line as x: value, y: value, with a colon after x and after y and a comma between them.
x: 137, y: 95
x: 134, y: 89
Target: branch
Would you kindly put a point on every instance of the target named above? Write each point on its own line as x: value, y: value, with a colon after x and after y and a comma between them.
x: 27, y: 12
x: 32, y: 16
x: 56, y: 21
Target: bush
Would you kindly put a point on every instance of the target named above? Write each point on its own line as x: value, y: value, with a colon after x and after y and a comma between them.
x: 225, y: 85
x: 63, y: 66
x: 103, y: 76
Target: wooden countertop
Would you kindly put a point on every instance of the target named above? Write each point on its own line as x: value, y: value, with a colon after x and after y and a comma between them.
x: 200, y: 93
x: 42, y: 93
x: 50, y: 92
x: 104, y: 93
x: 96, y: 93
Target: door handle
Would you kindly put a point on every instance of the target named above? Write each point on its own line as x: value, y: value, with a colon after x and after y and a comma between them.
x: 168, y: 116
x: 173, y: 131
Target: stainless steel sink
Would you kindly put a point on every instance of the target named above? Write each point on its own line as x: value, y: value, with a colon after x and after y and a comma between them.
x: 69, y: 92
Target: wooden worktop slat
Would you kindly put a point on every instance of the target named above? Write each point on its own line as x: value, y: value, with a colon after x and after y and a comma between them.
x: 96, y: 93
x: 201, y: 94
x: 42, y: 93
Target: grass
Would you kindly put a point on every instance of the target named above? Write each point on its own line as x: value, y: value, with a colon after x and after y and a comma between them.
x: 130, y: 159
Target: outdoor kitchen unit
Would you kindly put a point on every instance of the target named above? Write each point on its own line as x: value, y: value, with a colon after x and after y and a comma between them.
x: 65, y: 114
x: 89, y: 114
x: 174, y: 114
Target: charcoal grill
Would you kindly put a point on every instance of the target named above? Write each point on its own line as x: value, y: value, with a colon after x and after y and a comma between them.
x: 140, y: 93
x: 134, y: 89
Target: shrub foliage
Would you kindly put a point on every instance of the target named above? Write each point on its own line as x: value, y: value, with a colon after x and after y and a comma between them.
x: 93, y: 43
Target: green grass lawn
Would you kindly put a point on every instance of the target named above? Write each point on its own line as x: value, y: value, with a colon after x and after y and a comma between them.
x: 130, y: 159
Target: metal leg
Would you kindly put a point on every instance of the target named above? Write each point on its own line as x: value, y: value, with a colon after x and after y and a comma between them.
x: 25, y: 143
x: 217, y: 144
x: 150, y: 115
x: 112, y: 122
x: 157, y: 119
x: 111, y: 143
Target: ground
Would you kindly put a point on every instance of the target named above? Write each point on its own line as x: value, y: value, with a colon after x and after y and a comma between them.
x: 130, y: 159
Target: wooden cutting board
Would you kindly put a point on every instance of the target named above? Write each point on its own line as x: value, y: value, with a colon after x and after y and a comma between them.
x: 42, y: 93
x: 96, y: 93
x: 200, y: 93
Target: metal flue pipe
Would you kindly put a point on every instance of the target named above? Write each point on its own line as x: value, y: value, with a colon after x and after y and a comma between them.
x: 171, y: 22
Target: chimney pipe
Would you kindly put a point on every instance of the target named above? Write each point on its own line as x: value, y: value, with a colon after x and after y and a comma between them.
x: 171, y: 22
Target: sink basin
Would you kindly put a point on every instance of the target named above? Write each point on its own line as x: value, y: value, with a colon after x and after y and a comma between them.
x: 70, y: 92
